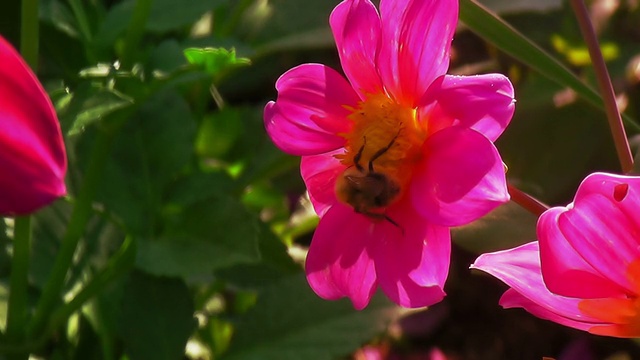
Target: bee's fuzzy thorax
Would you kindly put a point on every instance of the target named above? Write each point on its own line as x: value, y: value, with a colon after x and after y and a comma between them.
x: 376, y: 122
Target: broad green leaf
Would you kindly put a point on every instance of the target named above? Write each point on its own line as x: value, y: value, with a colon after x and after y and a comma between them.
x: 197, y: 186
x: 493, y: 29
x: 157, y: 317
x: 148, y: 153
x: 209, y: 235
x: 88, y: 104
x: 214, y: 60
x: 275, y: 263
x: 290, y: 322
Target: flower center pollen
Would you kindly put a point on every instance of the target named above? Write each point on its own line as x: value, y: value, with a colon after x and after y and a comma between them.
x: 381, y: 152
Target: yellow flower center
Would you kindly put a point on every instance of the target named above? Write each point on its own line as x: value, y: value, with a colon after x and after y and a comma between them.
x: 381, y: 152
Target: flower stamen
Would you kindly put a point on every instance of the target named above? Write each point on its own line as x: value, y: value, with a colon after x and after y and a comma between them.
x: 390, y: 158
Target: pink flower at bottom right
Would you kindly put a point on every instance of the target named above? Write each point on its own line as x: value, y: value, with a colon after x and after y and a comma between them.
x: 584, y: 270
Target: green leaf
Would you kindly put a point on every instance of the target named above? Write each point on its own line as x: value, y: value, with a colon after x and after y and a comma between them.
x: 274, y: 265
x: 88, y: 104
x: 148, y: 153
x: 289, y: 321
x: 214, y: 60
x: 157, y: 317
x: 493, y: 29
x: 207, y: 235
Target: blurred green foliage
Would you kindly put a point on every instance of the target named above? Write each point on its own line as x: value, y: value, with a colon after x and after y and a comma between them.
x: 217, y: 214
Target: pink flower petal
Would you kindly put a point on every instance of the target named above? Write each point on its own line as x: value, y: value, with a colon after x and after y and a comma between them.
x: 513, y: 299
x: 484, y: 103
x: 603, y: 230
x: 412, y: 259
x: 565, y: 272
x: 311, y: 110
x: 520, y: 269
x: 461, y: 179
x: 356, y: 29
x: 33, y: 158
x: 416, y: 40
x: 339, y: 263
x: 319, y: 173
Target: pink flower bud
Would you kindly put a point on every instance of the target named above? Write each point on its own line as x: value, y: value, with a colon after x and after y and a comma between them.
x: 32, y: 155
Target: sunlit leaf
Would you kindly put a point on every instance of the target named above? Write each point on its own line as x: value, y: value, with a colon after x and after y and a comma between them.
x: 89, y: 104
x: 148, y: 153
x: 214, y: 60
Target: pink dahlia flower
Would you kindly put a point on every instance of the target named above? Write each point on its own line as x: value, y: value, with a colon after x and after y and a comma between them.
x: 32, y: 154
x: 584, y: 272
x: 393, y: 155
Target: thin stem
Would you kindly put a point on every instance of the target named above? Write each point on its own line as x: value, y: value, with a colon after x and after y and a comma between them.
x: 19, y: 284
x: 75, y: 229
x: 135, y: 31
x: 528, y: 202
x: 604, y: 85
x: 29, y: 28
x: 19, y: 280
x: 117, y: 265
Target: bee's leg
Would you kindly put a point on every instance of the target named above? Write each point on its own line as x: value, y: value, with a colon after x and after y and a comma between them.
x: 379, y: 216
x: 356, y: 159
x: 386, y: 217
x: 382, y: 151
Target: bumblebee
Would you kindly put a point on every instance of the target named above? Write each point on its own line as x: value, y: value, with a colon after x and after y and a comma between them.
x: 367, y: 190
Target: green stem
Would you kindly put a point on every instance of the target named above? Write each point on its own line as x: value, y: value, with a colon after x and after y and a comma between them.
x: 528, y: 202
x: 29, y: 28
x: 17, y: 306
x: 604, y: 85
x: 19, y: 280
x: 75, y: 229
x: 117, y: 265
x: 135, y: 31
